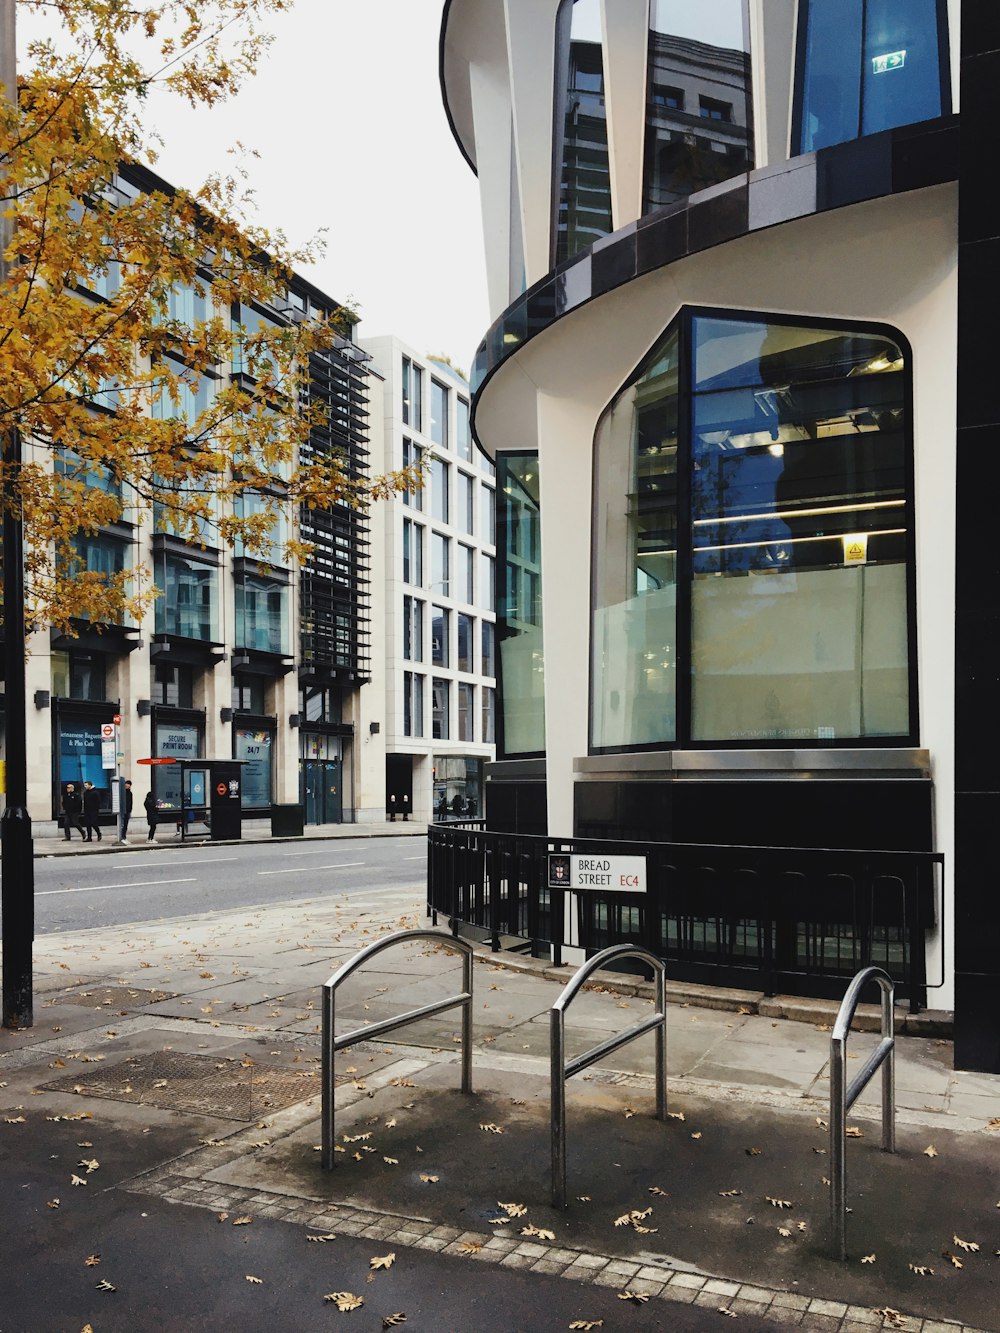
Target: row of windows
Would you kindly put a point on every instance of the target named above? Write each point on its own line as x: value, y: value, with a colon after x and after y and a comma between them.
x: 862, y: 66
x: 447, y: 649
x: 450, y: 496
x: 446, y: 695
x: 452, y: 566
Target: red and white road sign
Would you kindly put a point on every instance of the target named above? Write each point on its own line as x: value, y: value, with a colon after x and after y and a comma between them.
x: 107, y: 731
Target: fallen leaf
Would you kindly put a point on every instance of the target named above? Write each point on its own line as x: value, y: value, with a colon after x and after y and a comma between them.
x: 92, y: 1260
x: 391, y: 1124
x: 921, y: 1270
x: 492, y: 1129
x: 382, y: 1261
x: 724, y: 1309
x: 931, y: 1151
x: 697, y: 1136
x: 852, y: 1132
x: 391, y: 1161
x: 513, y: 1209
x: 628, y: 1113
x: 783, y: 1231
x: 222, y: 1217
x: 822, y: 1123
x: 92, y: 1164
x: 470, y: 1247
x: 104, y: 1285
x: 585, y: 1324
x: 778, y: 1203
x: 953, y: 1259
x: 52, y: 1203
x: 583, y: 1198
x: 77, y: 1180
x: 753, y: 1152
x: 15, y: 1119
x: 655, y: 1189
x: 639, y: 1297
x: 257, y: 1281
x: 402, y: 1083
x: 344, y: 1300
x: 729, y: 1194
x: 540, y: 1232
x: 393, y: 1320
x: 801, y: 1226
x: 327, y: 1235
x: 675, y: 1115
x: 970, y: 1246
x: 429, y: 1180
x: 242, y: 1221
x: 868, y: 1258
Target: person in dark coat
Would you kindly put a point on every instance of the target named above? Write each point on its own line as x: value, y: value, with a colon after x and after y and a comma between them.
x: 149, y: 805
x: 127, y: 812
x: 91, y: 806
x: 72, y: 806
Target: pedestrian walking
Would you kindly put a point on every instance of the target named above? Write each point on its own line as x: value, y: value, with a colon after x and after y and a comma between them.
x: 91, y: 806
x: 72, y: 805
x: 127, y: 811
x: 149, y: 804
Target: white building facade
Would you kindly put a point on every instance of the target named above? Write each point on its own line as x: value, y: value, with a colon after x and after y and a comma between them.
x: 434, y: 553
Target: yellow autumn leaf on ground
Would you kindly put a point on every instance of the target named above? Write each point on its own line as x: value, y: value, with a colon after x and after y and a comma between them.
x: 639, y: 1297
x: 470, y: 1247
x: 541, y: 1232
x: 930, y: 1151
x: 77, y: 1180
x: 393, y: 1320
x: 868, y: 1258
x: 586, y: 1324
x: 92, y: 1260
x: 344, y: 1300
x: 970, y: 1246
x: 429, y: 1180
x: 382, y: 1261
x: 519, y: 1210
x: 490, y: 1128
x: 242, y: 1221
x: 257, y: 1281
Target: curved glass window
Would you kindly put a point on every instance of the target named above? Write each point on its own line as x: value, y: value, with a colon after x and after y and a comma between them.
x: 752, y: 529
x: 519, y: 605
x: 583, y: 173
x: 868, y: 65
x: 698, y: 103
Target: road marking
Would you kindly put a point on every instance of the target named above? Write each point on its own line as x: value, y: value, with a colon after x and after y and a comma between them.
x: 136, y: 884
x: 421, y: 857
x: 294, y: 870
x: 201, y: 861
x: 319, y: 851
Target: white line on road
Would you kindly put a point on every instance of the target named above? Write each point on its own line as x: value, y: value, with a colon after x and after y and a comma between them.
x: 294, y: 870
x: 179, y: 865
x: 422, y: 857
x: 319, y: 851
x: 136, y: 884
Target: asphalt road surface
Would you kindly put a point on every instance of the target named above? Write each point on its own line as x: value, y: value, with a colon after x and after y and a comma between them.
x: 80, y: 891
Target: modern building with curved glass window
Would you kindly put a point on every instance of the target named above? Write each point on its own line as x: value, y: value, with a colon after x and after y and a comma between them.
x: 735, y: 391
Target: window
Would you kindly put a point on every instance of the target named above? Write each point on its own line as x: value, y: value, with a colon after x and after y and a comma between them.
x: 487, y: 582
x: 439, y: 414
x: 262, y: 613
x: 413, y: 380
x: 464, y: 585
x: 489, y: 714
x: 173, y: 686
x: 413, y: 629
x: 181, y: 399
x: 489, y: 636
x: 706, y: 49
x: 250, y: 504
x: 440, y: 479
x: 412, y: 454
x: 322, y: 704
x: 466, y: 487
x: 519, y: 606
x: 440, y: 564
x: 466, y: 712
x: 440, y: 721
x: 413, y: 552
x: 189, y: 604
x: 463, y: 435
x: 752, y: 570
x: 249, y: 694
x: 488, y: 515
x: 255, y: 748
x: 440, y: 636
x: 581, y: 167
x: 466, y: 636
x: 868, y: 65
x: 79, y: 676
x: 413, y: 704
x: 253, y: 353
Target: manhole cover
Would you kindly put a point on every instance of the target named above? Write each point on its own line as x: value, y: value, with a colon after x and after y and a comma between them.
x: 200, y: 1083
x: 115, y: 997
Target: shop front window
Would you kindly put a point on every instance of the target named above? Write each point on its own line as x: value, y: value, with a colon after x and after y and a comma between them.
x: 173, y: 740
x: 753, y: 577
x: 866, y: 66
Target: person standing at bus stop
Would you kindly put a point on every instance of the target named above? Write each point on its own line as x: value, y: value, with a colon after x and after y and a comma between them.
x: 149, y: 805
x: 91, y: 806
x: 127, y: 810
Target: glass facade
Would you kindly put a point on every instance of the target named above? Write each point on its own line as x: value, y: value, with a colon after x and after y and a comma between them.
x: 698, y: 102
x: 582, y: 167
x: 440, y: 563
x: 752, y: 528
x: 463, y: 434
x: 262, y: 613
x: 466, y: 711
x: 489, y: 641
x: 466, y: 637
x: 413, y: 704
x: 413, y: 552
x: 413, y: 629
x: 464, y: 589
x: 79, y: 676
x: 440, y: 636
x: 488, y: 515
x: 274, y: 520
x: 466, y: 487
x: 867, y: 65
x: 412, y: 454
x: 189, y: 604
x: 441, y: 708
x: 177, y: 740
x: 519, y: 609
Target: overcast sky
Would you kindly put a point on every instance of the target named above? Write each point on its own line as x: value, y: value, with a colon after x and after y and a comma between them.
x: 347, y: 117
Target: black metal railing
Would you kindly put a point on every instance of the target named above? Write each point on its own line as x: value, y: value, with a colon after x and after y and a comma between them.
x: 791, y: 919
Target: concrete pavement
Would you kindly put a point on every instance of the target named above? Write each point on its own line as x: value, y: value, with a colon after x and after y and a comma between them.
x: 182, y: 1058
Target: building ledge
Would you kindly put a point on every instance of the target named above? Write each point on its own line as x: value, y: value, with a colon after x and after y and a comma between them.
x: 756, y: 765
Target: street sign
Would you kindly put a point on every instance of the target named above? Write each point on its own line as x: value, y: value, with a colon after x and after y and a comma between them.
x: 117, y: 719
x: 610, y: 874
x: 107, y: 731
x: 109, y: 753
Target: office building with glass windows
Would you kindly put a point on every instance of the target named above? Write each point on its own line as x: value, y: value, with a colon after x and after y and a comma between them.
x: 241, y: 656
x: 735, y: 395
x: 434, y: 552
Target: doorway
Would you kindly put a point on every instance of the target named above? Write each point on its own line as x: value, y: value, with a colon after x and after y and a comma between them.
x: 323, y: 790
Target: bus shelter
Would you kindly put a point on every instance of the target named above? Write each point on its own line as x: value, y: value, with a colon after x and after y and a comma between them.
x: 211, y: 798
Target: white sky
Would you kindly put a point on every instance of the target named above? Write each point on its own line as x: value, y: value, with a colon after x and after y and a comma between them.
x: 347, y: 117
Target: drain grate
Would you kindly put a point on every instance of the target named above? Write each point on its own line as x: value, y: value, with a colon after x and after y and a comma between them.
x: 114, y: 997
x: 203, y: 1084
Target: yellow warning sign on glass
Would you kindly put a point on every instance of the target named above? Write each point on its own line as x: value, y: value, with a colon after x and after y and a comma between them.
x: 855, y: 548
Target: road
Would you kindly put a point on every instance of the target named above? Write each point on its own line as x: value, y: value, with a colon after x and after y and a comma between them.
x: 74, y: 892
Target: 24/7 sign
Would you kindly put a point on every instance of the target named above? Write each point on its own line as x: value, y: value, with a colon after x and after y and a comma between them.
x: 611, y: 874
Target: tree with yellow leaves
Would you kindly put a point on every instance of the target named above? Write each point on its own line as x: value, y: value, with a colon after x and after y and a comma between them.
x: 128, y: 365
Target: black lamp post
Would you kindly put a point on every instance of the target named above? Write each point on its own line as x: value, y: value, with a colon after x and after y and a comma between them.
x: 16, y: 853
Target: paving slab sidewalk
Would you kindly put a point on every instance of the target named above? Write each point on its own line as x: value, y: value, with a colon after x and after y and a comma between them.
x: 183, y: 1058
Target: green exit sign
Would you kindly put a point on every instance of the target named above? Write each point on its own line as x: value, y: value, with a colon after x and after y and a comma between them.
x: 891, y: 60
